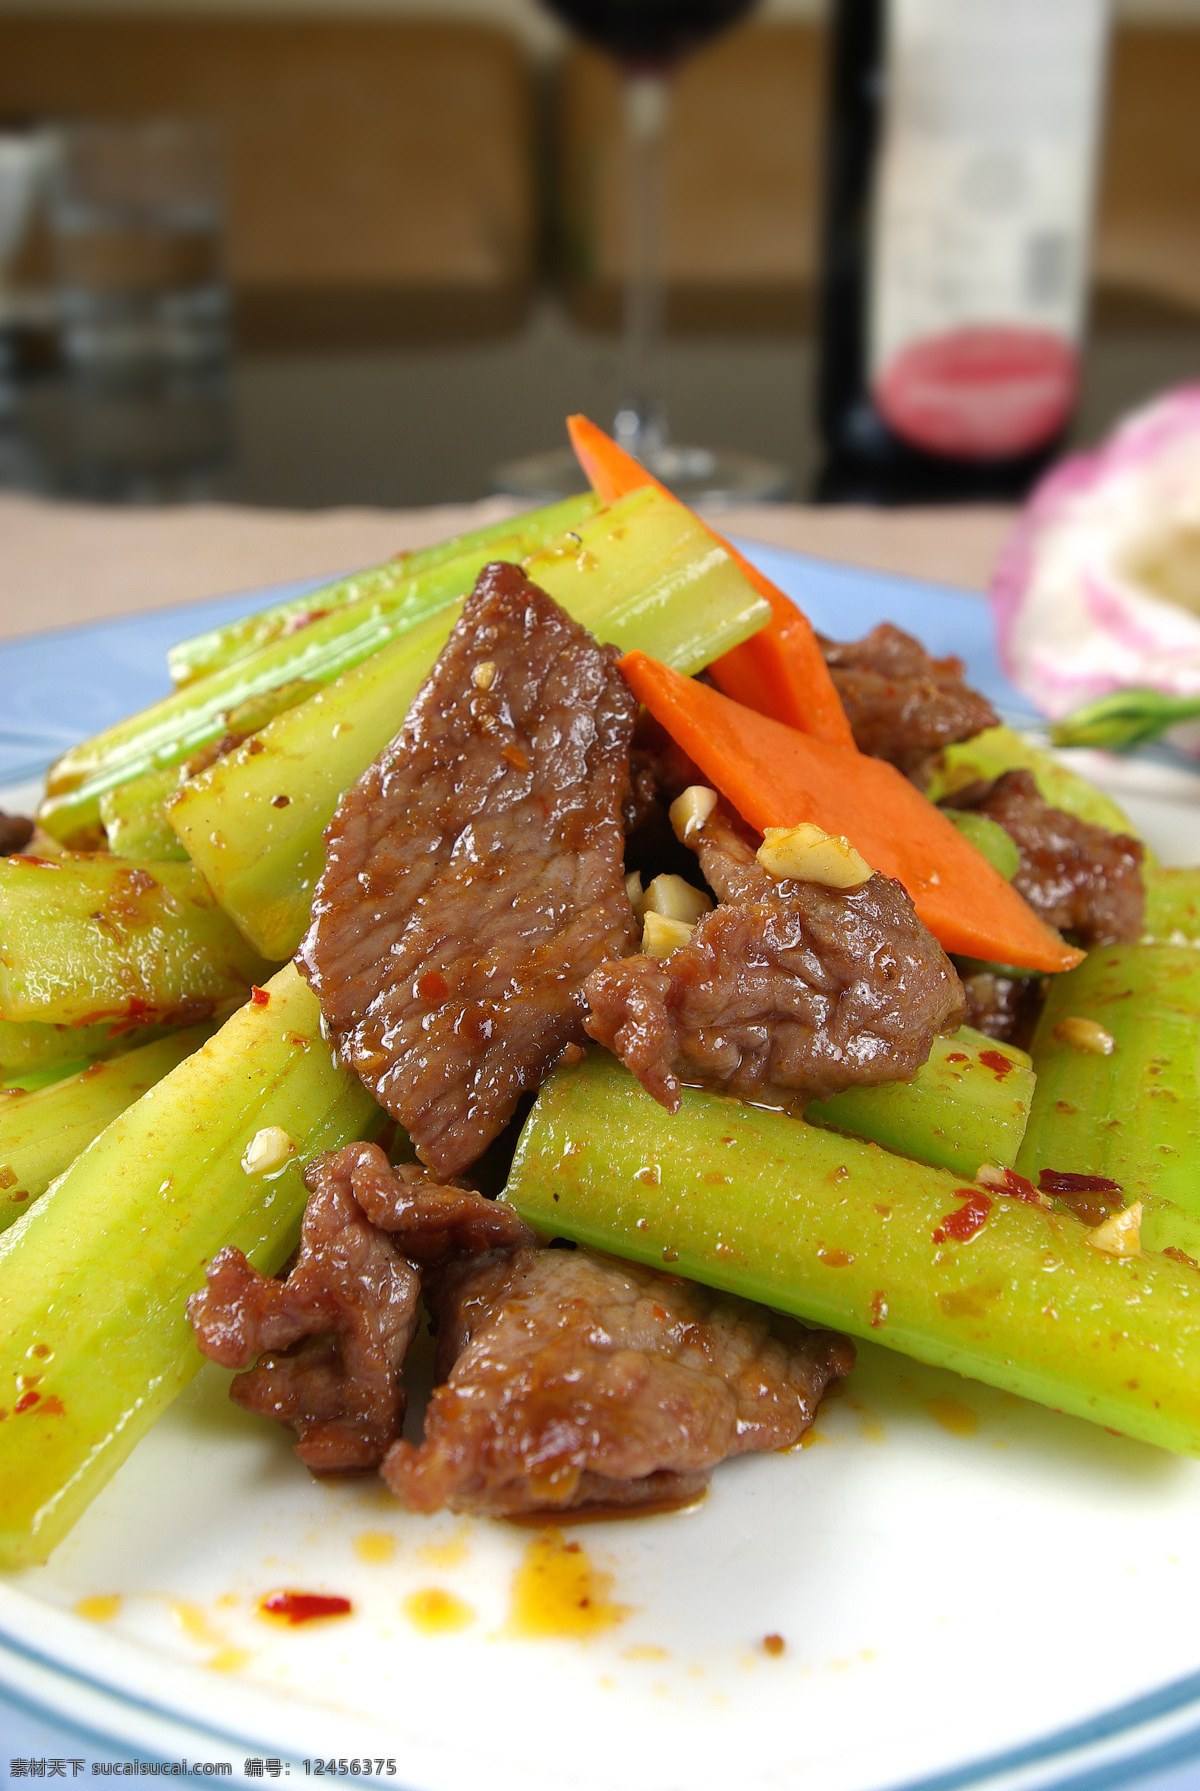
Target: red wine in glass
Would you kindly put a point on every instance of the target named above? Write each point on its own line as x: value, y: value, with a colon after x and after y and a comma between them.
x: 649, y: 32
x: 648, y: 38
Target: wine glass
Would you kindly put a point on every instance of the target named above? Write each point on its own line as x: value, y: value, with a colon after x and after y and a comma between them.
x: 649, y: 39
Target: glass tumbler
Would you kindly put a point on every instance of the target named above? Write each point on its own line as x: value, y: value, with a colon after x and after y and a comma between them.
x: 137, y: 221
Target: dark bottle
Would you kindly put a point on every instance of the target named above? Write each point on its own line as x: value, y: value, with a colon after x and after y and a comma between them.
x: 960, y: 154
x: 649, y: 32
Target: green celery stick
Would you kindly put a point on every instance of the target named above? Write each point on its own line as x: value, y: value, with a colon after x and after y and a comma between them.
x: 91, y: 939
x: 50, y: 1073
x: 988, y: 837
x: 254, y: 822
x: 511, y: 539
x: 967, y: 1105
x: 1172, y: 905
x: 31, y: 1048
x: 94, y: 1339
x: 1002, y: 749
x: 201, y: 712
x: 41, y: 1133
x: 1134, y: 1116
x: 841, y: 1233
x: 135, y: 820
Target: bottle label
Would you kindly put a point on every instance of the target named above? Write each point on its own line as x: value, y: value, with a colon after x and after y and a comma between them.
x: 980, y: 219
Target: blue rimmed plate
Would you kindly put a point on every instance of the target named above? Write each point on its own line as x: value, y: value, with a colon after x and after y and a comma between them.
x: 970, y: 1590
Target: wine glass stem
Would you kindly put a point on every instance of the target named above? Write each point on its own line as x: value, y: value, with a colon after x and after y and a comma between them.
x: 640, y: 424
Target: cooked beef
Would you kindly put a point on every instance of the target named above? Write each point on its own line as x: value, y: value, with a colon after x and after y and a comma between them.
x: 659, y: 771
x: 1003, y: 1007
x: 572, y: 1380
x: 1080, y: 878
x: 332, y: 1338
x: 902, y: 704
x: 568, y: 1378
x: 786, y: 989
x: 474, y: 875
x: 16, y: 831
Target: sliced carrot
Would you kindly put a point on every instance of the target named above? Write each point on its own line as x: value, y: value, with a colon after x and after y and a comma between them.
x: 779, y: 671
x: 776, y: 776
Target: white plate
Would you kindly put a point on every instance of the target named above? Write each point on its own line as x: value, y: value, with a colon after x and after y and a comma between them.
x: 969, y: 1589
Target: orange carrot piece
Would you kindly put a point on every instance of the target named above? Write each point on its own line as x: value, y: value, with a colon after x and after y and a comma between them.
x: 776, y: 776
x: 780, y: 671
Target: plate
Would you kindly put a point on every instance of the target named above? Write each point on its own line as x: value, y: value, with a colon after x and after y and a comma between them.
x: 969, y: 1590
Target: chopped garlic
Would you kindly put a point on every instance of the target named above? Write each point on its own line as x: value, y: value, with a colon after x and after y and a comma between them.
x: 633, y: 889
x: 675, y: 899
x: 690, y: 811
x: 267, y: 1151
x: 811, y: 855
x: 1120, y: 1234
x: 1085, y: 1035
x: 484, y: 674
x: 661, y: 935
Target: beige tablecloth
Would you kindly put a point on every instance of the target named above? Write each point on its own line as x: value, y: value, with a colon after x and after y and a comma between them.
x: 62, y: 564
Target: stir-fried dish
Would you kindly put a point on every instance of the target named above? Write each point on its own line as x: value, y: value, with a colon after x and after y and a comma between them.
x: 674, y: 991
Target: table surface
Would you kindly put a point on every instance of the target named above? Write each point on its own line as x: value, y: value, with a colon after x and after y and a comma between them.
x: 62, y: 564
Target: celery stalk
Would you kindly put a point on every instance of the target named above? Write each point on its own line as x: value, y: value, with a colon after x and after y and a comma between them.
x: 511, y: 539
x: 1134, y: 1116
x: 29, y: 1047
x: 1001, y: 749
x: 201, y: 712
x: 94, y: 1340
x: 1172, y: 905
x: 42, y: 1133
x: 642, y: 573
x: 135, y: 821
x: 842, y: 1233
x: 967, y: 1105
x: 99, y: 938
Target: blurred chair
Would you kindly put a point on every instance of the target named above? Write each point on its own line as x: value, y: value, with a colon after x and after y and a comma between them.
x: 381, y: 179
x: 742, y: 182
x: 743, y: 196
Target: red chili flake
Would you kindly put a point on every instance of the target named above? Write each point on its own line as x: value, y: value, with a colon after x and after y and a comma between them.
x: 835, y: 1259
x: 281, y: 802
x: 773, y: 1645
x: 20, y: 1195
x: 259, y: 997
x: 1063, y: 1181
x: 515, y: 756
x: 1188, y: 1262
x: 879, y: 1308
x: 8, y: 1177
x: 957, y: 1057
x: 93, y: 1069
x: 27, y: 1401
x: 966, y: 1221
x: 432, y: 987
x: 303, y: 1607
x: 52, y: 1405
x: 996, y: 1060
x: 42, y: 864
x: 1017, y: 1187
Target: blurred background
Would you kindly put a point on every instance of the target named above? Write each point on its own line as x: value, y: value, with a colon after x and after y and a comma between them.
x: 392, y: 244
